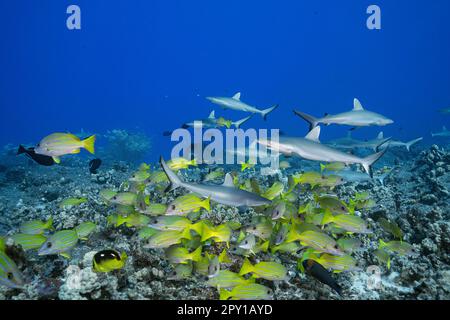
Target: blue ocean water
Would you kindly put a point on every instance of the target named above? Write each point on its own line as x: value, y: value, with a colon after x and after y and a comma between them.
x: 148, y: 65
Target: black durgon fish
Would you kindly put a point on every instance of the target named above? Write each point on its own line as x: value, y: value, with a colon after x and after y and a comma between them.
x: 317, y: 271
x: 94, y: 165
x: 38, y: 158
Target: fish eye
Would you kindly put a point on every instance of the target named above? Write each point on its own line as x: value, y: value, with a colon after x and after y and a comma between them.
x: 114, y: 198
x: 10, y: 276
x: 245, y: 242
x: 49, y: 244
x: 268, y: 291
x: 254, y: 228
x: 343, y: 208
x: 173, y: 207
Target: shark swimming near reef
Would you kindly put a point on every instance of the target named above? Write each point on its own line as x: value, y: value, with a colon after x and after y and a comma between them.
x: 227, y: 193
x: 310, y: 148
x: 443, y: 133
x: 358, y: 117
x: 235, y: 103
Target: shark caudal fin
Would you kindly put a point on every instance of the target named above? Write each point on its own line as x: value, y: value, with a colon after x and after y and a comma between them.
x: 266, y: 112
x: 21, y: 149
x: 313, y: 122
x: 412, y: 142
x: 175, y: 181
x: 239, y: 123
x: 369, y: 161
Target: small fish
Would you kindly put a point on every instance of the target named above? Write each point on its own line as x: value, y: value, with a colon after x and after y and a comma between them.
x: 274, y: 191
x: 10, y: 275
x: 286, y: 247
x: 348, y: 222
x: 108, y: 260
x: 85, y: 229
x: 213, y: 267
x: 383, y: 257
x: 401, y: 247
x: 155, y: 209
x: 248, y: 243
x: 281, y: 234
x: 36, y: 226
x: 227, y: 279
x: 331, y: 203
x: 246, y: 165
x: 181, y: 272
x: 158, y: 177
x: 334, y: 166
x: 187, y: 204
x: 338, y: 263
x: 349, y: 245
x: 146, y: 232
x: 133, y: 220
x: 61, y: 242
x: 267, y: 270
x: 284, y: 164
x: 72, y: 202
x: 165, y: 239
x: 94, y: 165
x: 262, y: 229
x: 144, y: 167
x: 319, y: 241
x: 177, y: 223
x: 316, y: 270
x: 220, y: 233
x: 29, y: 241
x: 107, y: 194
x: 182, y: 255
x: 140, y: 176
x: 59, y: 144
x: 251, y: 291
x: 38, y: 158
x: 391, y: 227
x: 181, y: 163
x: 214, y: 175
x: 124, y: 198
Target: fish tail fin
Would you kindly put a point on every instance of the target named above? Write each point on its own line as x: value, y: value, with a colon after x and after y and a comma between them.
x: 123, y: 256
x: 197, y: 227
x: 292, y: 235
x: 207, y: 233
x: 186, y: 234
x: 224, y: 294
x: 247, y: 267
x: 238, y: 123
x: 382, y: 244
x: 313, y: 122
x: 369, y: 161
x: 327, y: 217
x: 120, y: 220
x: 265, y: 246
x: 175, y: 181
x: 322, y: 167
x: 266, y: 112
x: 49, y: 224
x: 412, y: 142
x: 206, y: 204
x: 193, y: 162
x: 197, y: 254
x: 88, y: 143
x: 244, y: 166
x: 21, y: 149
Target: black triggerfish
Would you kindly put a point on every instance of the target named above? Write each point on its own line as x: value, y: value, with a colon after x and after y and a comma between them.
x: 316, y: 270
x: 38, y: 158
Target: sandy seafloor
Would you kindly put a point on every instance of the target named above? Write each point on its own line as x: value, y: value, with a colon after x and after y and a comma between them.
x: 415, y: 196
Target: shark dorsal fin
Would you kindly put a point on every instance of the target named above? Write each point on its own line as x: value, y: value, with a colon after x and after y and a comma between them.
x: 237, y: 96
x: 314, y: 134
x: 380, y: 135
x: 357, y: 106
x: 212, y: 115
x: 228, y: 180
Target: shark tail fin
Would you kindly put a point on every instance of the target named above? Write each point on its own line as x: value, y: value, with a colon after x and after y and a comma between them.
x: 313, y: 122
x: 266, y: 112
x: 239, y: 123
x: 412, y: 142
x: 21, y: 149
x: 175, y: 181
x: 369, y: 161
